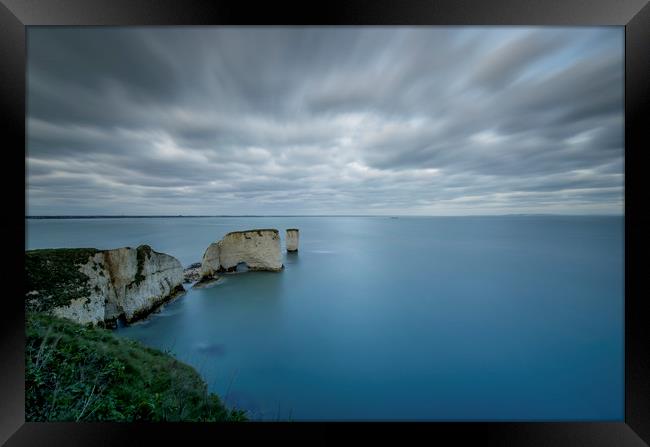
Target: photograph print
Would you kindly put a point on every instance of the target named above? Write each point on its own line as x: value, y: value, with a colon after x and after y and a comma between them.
x: 337, y: 223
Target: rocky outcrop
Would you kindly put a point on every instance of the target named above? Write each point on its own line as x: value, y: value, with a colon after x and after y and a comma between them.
x: 192, y: 273
x: 292, y: 239
x: 258, y: 249
x: 100, y: 286
x: 210, y: 263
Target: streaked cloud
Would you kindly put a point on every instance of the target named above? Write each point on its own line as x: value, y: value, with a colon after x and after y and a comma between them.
x: 331, y: 120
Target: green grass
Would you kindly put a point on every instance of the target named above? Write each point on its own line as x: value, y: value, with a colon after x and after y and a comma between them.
x: 257, y: 230
x: 42, y: 266
x: 79, y: 373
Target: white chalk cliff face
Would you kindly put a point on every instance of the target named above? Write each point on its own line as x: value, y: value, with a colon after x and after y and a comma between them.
x: 292, y: 239
x: 122, y: 283
x: 210, y: 263
x: 259, y: 249
x: 142, y: 279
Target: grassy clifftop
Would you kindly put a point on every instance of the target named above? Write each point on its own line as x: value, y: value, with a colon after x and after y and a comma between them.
x: 79, y: 373
x: 53, y: 278
x: 54, y: 274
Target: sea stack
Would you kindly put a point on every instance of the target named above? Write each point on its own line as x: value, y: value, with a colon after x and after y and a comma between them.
x: 292, y: 239
x: 258, y: 249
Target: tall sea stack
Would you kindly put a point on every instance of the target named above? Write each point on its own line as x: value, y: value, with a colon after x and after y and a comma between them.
x: 292, y: 239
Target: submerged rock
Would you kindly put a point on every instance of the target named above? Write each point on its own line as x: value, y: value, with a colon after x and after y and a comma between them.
x: 216, y: 349
x: 207, y: 282
x: 99, y: 287
x: 258, y: 249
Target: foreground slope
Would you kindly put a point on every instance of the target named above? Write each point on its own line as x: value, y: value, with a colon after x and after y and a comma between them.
x: 83, y: 373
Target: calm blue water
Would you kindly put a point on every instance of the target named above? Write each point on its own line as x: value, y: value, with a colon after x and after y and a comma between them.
x: 463, y: 318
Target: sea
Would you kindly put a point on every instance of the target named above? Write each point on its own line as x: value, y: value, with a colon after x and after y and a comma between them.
x: 394, y: 318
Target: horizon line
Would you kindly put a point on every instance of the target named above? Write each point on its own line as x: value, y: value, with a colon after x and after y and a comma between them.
x: 144, y: 216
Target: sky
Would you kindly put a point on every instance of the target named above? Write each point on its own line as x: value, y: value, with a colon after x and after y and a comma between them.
x: 329, y: 120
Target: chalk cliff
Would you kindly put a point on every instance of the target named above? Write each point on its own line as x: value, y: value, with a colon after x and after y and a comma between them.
x: 259, y: 249
x: 292, y: 239
x: 210, y: 264
x: 100, y: 286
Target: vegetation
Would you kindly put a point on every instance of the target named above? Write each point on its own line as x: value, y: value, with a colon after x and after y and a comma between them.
x: 143, y: 252
x: 79, y: 373
x: 258, y: 231
x: 41, y: 266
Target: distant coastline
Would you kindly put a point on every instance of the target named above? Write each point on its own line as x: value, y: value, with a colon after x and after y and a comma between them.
x: 318, y: 215
x: 194, y: 216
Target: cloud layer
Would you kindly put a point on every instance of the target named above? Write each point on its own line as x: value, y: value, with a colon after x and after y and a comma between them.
x: 337, y: 120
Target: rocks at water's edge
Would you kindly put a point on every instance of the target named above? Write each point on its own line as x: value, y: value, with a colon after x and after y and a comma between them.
x: 100, y: 286
x: 292, y: 239
x: 192, y: 273
x: 258, y: 249
x: 91, y: 286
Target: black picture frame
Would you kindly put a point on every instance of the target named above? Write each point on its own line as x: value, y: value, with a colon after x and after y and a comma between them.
x: 634, y: 15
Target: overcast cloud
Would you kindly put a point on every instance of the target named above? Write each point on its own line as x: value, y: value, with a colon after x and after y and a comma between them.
x: 339, y: 120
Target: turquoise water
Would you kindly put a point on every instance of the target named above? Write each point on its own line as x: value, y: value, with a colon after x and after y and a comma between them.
x: 442, y: 318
